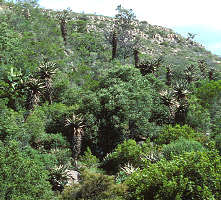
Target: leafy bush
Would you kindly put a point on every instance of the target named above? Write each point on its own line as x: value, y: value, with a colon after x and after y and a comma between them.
x: 129, y: 152
x: 198, y: 117
x: 55, y: 116
x: 194, y: 175
x: 208, y: 92
x: 172, y: 133
x: 54, y: 148
x: 181, y: 146
x: 87, y: 42
x: 118, y: 109
x: 22, y: 176
x: 12, y: 126
x: 9, y: 43
x: 95, y: 186
x: 88, y: 159
x: 216, y: 118
x: 160, y: 113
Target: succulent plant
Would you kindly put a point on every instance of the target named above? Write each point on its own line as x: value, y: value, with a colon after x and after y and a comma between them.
x: 45, y: 72
x: 76, y: 124
x: 63, y: 18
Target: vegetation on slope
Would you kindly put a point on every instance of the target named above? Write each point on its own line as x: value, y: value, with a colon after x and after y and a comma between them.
x: 133, y: 108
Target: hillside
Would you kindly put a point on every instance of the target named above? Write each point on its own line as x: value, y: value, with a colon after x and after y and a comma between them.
x: 154, y: 41
x: 94, y: 107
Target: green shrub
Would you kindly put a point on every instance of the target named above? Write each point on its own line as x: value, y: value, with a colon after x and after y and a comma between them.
x: 61, y: 85
x: 216, y: 119
x: 88, y: 159
x: 165, y: 43
x: 172, y: 133
x: 129, y: 152
x: 95, y: 186
x: 86, y: 43
x: 194, y: 175
x: 10, y: 126
x: 55, y: 116
x: 160, y: 113
x: 22, y: 175
x: 198, y: 117
x: 10, y: 43
x: 208, y: 92
x: 181, y: 146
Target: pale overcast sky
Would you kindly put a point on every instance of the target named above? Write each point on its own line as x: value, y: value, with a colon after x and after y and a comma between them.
x: 202, y: 17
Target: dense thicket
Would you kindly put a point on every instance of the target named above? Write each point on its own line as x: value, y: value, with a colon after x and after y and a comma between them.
x: 133, y: 109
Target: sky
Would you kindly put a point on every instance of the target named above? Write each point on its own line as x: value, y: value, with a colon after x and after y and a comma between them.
x: 201, y: 17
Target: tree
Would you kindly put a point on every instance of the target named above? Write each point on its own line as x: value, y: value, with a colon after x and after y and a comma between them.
x: 123, y: 36
x: 180, y: 91
x: 203, y: 66
x: 191, y: 37
x: 190, y: 73
x: 136, y: 57
x: 119, y: 108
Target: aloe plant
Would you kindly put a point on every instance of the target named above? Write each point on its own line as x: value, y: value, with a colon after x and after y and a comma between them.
x: 63, y: 18
x: 76, y: 125
x: 114, y: 44
x: 45, y: 72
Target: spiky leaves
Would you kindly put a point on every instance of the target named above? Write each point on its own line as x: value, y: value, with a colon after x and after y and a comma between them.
x: 40, y: 84
x: 211, y: 74
x: 176, y: 100
x: 45, y: 73
x: 35, y: 89
x: 180, y: 93
x: 76, y: 125
x: 180, y: 89
x: 202, y: 65
x: 181, y: 113
x: 63, y: 18
x: 190, y: 73
x: 150, y: 66
x: 168, y: 100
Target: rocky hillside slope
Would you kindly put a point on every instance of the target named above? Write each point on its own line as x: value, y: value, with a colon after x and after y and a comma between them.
x: 154, y: 41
